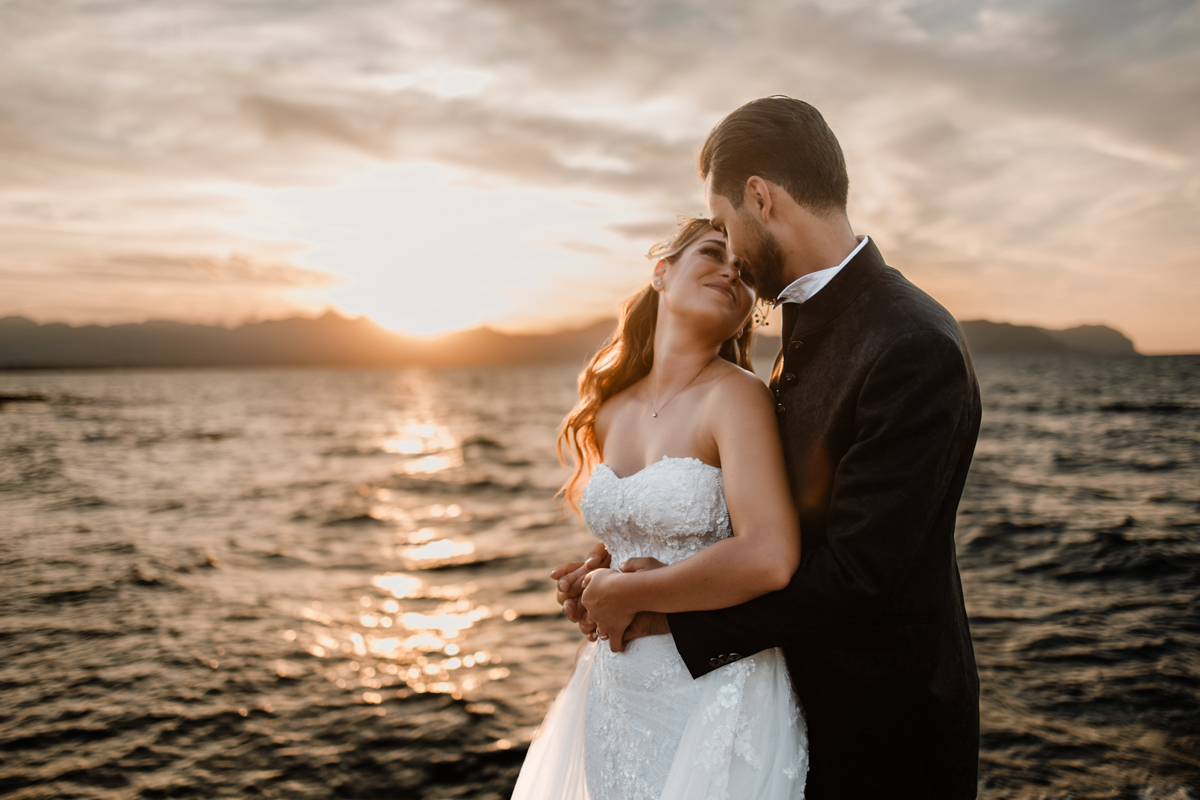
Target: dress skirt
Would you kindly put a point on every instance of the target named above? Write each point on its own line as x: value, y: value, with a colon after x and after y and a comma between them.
x: 637, y: 726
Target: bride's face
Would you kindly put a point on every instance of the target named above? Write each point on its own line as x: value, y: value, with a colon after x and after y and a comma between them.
x: 705, y: 286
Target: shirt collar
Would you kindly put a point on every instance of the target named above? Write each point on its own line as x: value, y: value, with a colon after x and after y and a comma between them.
x: 803, y: 288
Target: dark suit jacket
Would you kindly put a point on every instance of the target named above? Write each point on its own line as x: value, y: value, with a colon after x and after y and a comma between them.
x: 879, y: 411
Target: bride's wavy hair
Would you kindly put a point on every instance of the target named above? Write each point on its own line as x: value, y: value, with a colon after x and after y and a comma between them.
x: 626, y: 358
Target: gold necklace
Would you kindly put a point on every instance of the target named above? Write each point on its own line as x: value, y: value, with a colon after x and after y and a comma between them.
x: 650, y: 399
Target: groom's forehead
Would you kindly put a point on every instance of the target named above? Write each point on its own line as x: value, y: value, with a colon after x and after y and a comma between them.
x: 713, y: 202
x: 716, y: 203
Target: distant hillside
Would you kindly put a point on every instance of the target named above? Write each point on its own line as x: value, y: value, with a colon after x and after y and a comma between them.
x: 330, y: 340
x: 1001, y: 338
x: 987, y: 338
x: 333, y: 340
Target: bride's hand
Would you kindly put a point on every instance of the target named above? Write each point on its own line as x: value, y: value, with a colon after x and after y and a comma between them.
x: 602, y: 597
x: 569, y: 579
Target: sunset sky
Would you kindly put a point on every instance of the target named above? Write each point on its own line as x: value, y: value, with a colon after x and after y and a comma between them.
x: 438, y: 165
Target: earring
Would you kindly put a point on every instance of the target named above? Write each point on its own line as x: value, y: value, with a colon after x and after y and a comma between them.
x: 761, y: 309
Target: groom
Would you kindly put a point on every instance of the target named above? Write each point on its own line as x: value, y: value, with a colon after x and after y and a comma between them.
x: 878, y: 410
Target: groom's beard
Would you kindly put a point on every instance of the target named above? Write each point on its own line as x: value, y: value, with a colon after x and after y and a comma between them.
x: 765, y: 257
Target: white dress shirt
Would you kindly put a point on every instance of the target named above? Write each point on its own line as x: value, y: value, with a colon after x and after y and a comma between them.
x: 804, y: 287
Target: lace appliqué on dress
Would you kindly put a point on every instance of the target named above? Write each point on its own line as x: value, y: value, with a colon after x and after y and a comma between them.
x: 670, y: 510
x: 746, y: 739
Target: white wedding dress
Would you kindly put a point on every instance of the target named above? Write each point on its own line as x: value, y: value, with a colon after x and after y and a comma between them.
x: 635, y: 725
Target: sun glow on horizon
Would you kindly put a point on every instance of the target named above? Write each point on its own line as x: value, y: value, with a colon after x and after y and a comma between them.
x: 424, y: 249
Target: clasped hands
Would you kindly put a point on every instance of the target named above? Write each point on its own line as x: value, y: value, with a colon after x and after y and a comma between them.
x: 590, y: 594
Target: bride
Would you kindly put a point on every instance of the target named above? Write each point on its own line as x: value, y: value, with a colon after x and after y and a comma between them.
x: 677, y: 443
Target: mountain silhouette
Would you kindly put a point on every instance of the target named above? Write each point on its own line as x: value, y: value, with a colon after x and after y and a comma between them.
x: 334, y: 340
x: 987, y: 337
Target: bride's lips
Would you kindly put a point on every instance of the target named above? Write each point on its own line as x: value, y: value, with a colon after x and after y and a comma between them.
x: 723, y: 289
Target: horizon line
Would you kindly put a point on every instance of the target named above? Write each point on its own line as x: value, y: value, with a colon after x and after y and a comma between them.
x: 542, y: 330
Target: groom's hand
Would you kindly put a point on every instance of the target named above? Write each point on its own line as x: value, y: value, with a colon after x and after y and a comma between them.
x: 645, y: 623
x: 639, y: 564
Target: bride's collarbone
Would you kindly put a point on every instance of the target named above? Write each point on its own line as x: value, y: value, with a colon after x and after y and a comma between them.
x: 632, y: 438
x: 632, y: 448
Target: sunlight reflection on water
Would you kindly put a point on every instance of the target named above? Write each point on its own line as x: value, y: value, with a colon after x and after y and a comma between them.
x: 399, y: 586
x: 412, y: 662
x: 419, y: 437
x: 426, y: 660
x: 441, y: 549
x: 430, y: 464
x: 400, y: 664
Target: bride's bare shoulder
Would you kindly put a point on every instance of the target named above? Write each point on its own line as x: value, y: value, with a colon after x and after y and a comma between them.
x: 735, y: 387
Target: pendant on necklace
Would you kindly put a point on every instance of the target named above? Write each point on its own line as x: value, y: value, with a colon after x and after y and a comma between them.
x: 654, y: 415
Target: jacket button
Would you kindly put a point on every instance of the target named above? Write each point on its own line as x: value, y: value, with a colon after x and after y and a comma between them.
x: 795, y: 346
x: 779, y: 409
x: 714, y: 662
x: 789, y: 379
x: 734, y: 657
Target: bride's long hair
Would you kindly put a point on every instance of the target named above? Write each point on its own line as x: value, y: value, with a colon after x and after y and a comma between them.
x: 625, y: 359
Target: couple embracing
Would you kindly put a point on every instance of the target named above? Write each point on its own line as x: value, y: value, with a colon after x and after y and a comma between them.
x: 774, y: 610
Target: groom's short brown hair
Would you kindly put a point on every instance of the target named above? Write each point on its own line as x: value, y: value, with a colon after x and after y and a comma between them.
x: 783, y: 140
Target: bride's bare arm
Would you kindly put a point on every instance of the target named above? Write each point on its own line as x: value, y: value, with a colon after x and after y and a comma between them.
x: 762, y: 554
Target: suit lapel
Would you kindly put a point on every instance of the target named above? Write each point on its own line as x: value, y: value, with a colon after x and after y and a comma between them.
x: 789, y: 324
x: 863, y: 270
x: 790, y: 312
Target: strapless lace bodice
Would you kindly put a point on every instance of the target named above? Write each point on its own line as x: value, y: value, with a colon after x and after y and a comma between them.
x: 670, y: 510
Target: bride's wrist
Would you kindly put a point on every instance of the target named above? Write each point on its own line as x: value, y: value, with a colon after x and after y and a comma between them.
x: 628, y: 591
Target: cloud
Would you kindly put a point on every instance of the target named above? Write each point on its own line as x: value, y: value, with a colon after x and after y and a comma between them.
x: 235, y: 270
x: 1018, y: 159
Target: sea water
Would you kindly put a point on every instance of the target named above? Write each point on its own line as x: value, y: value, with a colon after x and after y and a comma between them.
x: 334, y: 583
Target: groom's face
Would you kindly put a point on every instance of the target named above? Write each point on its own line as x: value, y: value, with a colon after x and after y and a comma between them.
x: 756, y: 249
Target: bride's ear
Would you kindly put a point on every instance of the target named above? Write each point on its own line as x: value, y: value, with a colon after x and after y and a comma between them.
x: 656, y: 279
